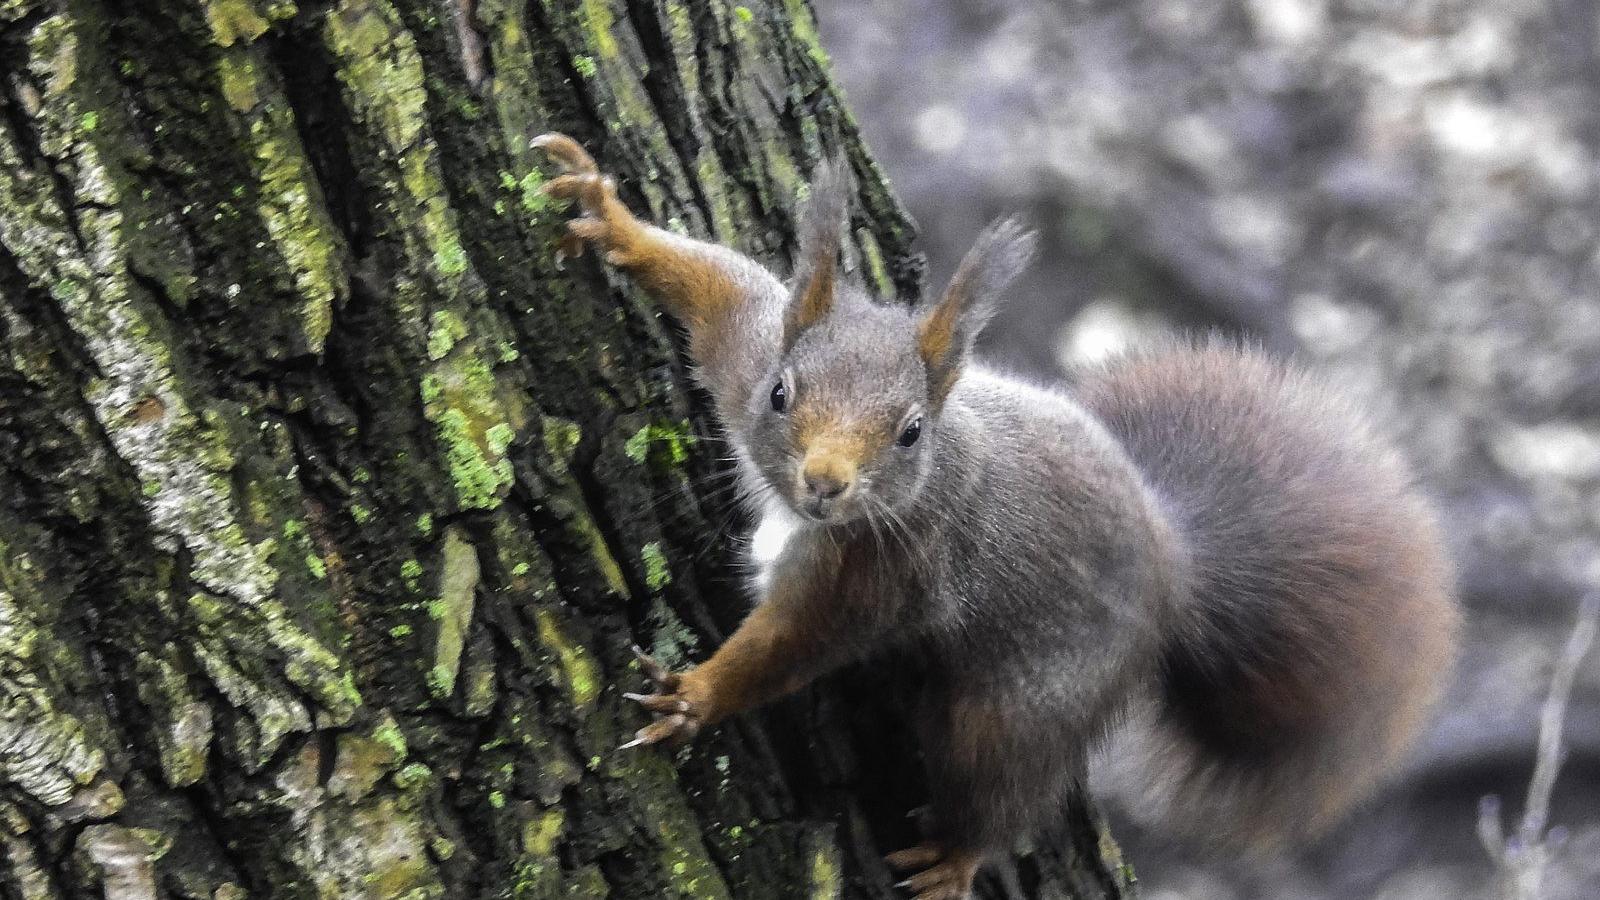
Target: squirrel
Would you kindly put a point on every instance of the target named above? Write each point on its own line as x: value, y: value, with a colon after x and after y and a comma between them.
x: 1197, y: 538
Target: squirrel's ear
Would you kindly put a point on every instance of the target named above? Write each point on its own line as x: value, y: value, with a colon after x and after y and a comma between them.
x: 816, y: 267
x: 947, y: 331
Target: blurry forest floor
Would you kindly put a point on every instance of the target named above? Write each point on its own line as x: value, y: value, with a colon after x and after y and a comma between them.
x: 1401, y: 194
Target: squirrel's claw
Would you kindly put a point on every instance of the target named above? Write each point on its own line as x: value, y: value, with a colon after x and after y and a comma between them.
x: 566, y: 151
x: 586, y: 229
x: 583, y: 188
x: 659, y: 703
x: 605, y: 220
x: 655, y: 671
x: 919, y: 857
x: 946, y: 874
x: 596, y: 193
x: 679, y: 715
x: 673, y: 731
x: 568, y: 247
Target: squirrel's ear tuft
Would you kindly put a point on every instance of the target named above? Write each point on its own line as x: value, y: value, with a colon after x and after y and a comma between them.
x: 946, y: 332
x: 816, y: 267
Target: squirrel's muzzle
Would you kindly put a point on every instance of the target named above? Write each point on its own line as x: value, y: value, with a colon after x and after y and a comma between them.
x: 825, y: 487
x: 826, y: 479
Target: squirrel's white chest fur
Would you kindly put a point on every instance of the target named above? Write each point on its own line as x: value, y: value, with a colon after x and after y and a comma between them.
x: 775, y: 527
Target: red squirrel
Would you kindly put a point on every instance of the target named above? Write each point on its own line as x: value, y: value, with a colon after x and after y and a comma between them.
x: 1196, y: 537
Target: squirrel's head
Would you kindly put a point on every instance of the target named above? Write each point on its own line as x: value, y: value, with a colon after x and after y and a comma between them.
x: 847, y: 422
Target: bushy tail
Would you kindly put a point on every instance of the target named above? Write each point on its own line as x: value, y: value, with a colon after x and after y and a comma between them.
x: 1319, y: 621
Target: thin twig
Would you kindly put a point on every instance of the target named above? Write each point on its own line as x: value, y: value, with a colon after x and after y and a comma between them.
x: 1522, y: 859
x: 1552, y: 720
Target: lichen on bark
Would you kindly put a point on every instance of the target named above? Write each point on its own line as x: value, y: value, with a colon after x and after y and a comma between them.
x: 332, y: 505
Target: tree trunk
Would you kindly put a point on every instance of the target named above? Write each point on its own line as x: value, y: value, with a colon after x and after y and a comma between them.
x: 329, y: 506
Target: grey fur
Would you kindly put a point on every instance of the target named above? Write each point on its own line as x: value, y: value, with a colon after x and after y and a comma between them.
x: 1201, y: 528
x: 1002, y: 251
x: 822, y: 219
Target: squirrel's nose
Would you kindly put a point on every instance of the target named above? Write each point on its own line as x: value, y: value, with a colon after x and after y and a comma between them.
x: 827, y: 475
x: 825, y: 486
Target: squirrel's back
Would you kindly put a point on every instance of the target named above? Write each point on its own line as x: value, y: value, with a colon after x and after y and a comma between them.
x: 1319, y: 620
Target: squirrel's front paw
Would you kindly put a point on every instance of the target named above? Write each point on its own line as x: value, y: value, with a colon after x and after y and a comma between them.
x: 605, y: 221
x: 682, y: 705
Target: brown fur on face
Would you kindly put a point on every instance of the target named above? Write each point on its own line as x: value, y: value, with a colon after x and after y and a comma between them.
x: 853, y: 381
x: 833, y: 453
x: 824, y: 462
x: 826, y: 438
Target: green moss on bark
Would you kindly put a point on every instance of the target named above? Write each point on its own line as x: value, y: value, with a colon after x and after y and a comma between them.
x: 458, y: 586
x: 340, y: 422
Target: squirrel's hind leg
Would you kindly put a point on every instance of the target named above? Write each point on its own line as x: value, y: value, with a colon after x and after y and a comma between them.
x: 993, y: 771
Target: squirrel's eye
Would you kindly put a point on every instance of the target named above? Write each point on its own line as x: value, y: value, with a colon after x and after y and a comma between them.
x: 780, y: 397
x: 912, y: 432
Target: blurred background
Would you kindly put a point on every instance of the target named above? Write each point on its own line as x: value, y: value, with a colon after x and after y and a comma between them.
x: 1402, y: 193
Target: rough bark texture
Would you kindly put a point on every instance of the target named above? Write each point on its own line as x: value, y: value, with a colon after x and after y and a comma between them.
x: 329, y: 507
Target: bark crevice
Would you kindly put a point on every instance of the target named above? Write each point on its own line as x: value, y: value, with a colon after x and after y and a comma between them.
x: 283, y: 348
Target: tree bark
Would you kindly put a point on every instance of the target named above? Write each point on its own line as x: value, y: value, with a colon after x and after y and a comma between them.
x: 329, y: 506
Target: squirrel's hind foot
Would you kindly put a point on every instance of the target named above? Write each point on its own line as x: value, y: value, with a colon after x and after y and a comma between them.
x: 946, y: 873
